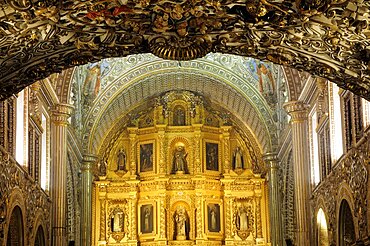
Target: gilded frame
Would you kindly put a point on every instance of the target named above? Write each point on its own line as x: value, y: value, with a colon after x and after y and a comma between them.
x: 147, y: 220
x: 211, y: 156
x: 146, y: 157
x: 214, y: 223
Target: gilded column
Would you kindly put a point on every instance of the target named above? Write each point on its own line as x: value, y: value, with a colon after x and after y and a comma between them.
x: 133, y: 143
x: 60, y: 115
x: 197, y: 150
x: 162, y: 141
x: 258, y: 216
x: 226, y: 147
x: 86, y: 204
x: 298, y: 112
x: 102, y: 191
x: 228, y: 218
x: 133, y: 220
x: 276, y: 224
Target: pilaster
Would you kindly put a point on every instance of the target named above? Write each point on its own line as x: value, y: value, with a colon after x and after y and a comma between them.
x: 60, y: 115
x: 298, y: 111
x: 88, y: 163
x: 276, y: 224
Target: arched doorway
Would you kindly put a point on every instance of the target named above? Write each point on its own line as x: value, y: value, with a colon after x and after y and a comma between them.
x: 322, y: 229
x: 15, y: 231
x: 346, y: 227
x: 40, y: 239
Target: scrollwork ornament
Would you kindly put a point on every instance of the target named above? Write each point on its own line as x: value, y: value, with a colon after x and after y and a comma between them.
x: 41, y: 38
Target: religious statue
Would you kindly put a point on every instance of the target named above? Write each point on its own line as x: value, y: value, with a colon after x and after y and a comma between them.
x: 179, y: 160
x: 103, y: 167
x: 117, y: 221
x: 242, y: 219
x: 181, y: 221
x: 212, y: 156
x: 213, y: 219
x: 121, y: 160
x: 147, y: 215
x: 238, y: 159
x: 179, y: 117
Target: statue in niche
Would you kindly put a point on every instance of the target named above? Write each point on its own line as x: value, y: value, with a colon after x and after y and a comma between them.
x: 121, y: 160
x: 238, y: 161
x: 181, y: 224
x: 179, y: 117
x: 103, y: 167
x: 242, y: 222
x: 179, y: 160
x: 243, y: 219
x: 117, y: 221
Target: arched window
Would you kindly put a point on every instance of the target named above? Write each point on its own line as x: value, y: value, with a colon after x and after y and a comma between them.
x: 346, y: 226
x: 15, y: 231
x: 322, y: 229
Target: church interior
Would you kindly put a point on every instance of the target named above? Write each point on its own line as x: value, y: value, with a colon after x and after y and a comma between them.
x: 202, y: 122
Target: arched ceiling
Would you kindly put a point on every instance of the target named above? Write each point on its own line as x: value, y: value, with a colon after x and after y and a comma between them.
x: 133, y: 82
x: 325, y: 38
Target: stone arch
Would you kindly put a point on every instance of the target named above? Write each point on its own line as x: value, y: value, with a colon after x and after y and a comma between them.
x: 38, y: 233
x: 345, y: 196
x: 293, y: 83
x: 320, y: 217
x: 346, y: 225
x: 126, y: 96
x: 40, y: 237
x: 16, y: 200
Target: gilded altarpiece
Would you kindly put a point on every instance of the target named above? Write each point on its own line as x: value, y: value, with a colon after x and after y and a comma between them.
x: 180, y: 175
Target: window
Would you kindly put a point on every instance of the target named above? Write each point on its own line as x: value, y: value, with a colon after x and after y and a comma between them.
x: 315, y: 168
x: 20, y: 145
x: 45, y: 150
x: 336, y: 135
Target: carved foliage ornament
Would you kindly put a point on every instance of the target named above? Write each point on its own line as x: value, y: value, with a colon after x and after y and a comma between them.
x: 325, y: 38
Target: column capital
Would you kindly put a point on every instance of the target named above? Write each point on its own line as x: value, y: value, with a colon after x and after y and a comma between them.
x: 88, y: 161
x: 61, y: 112
x: 297, y: 110
x: 272, y: 160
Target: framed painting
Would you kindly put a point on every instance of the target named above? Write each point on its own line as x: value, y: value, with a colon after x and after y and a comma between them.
x: 146, y: 218
x: 211, y: 157
x: 213, y: 217
x: 146, y: 157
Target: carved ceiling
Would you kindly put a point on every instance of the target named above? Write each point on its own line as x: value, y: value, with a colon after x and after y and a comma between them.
x: 121, y: 97
x: 229, y: 81
x: 325, y: 38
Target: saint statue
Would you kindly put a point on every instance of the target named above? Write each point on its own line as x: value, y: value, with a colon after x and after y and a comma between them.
x: 179, y: 160
x: 213, y: 219
x: 147, y: 216
x: 179, y: 117
x: 121, y: 160
x: 117, y: 222
x: 103, y: 168
x: 238, y: 159
x: 242, y: 219
x: 181, y: 223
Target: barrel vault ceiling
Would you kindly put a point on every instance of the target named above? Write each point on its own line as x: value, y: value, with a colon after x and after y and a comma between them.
x: 328, y: 38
